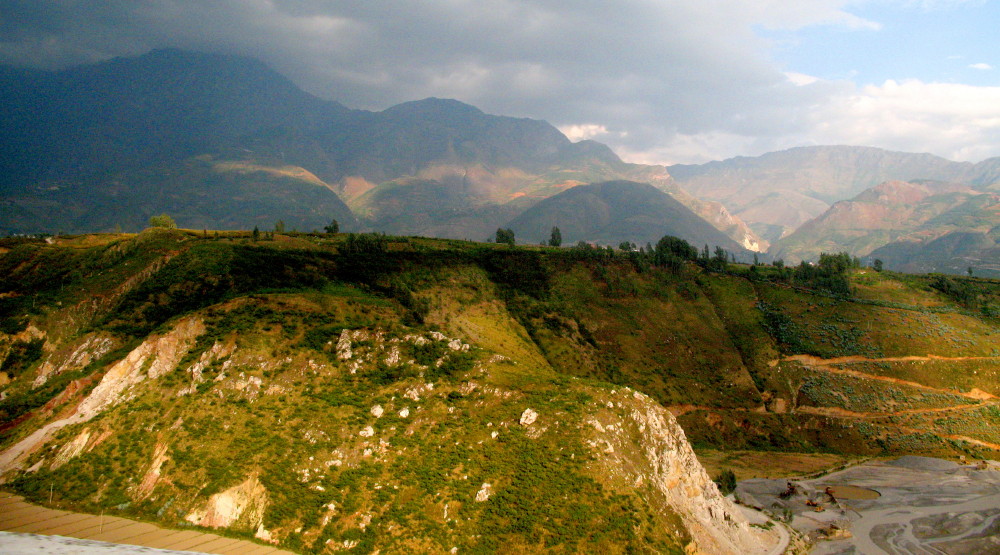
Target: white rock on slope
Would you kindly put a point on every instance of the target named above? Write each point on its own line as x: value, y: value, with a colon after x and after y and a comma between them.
x: 528, y: 417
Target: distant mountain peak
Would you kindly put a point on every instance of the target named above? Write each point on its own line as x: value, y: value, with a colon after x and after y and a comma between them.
x: 614, y: 211
x: 432, y: 105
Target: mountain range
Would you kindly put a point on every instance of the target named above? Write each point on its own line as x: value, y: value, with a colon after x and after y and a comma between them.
x: 890, y: 212
x: 391, y: 393
x: 777, y: 192
x: 914, y: 212
x: 220, y: 141
x: 616, y: 211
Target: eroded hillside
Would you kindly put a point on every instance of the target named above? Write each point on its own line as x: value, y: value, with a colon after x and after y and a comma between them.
x: 331, y: 394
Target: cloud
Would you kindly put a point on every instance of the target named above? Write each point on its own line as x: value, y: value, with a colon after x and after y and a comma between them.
x: 981, y: 66
x: 958, y: 122
x: 801, y: 79
x: 583, y: 131
x: 671, y: 80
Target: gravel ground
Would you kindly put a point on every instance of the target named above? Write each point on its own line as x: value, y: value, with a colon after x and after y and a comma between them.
x: 924, y: 506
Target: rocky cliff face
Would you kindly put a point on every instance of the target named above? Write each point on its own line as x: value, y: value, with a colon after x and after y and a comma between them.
x: 641, y: 443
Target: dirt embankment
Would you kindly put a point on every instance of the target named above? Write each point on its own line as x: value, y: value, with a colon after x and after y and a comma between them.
x: 831, y: 365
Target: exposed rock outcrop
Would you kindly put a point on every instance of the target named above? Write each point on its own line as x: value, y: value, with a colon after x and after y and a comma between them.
x: 81, y: 353
x: 242, y: 504
x: 640, y: 442
x: 153, y: 358
x: 152, y: 475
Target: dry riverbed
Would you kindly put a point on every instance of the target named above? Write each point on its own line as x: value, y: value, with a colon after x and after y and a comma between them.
x: 910, y: 505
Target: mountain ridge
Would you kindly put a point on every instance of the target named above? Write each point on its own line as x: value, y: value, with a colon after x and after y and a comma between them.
x: 898, y: 212
x: 82, y: 148
x: 612, y: 212
x: 824, y: 173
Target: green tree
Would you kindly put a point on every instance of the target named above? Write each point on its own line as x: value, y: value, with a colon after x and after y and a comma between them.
x: 969, y: 271
x: 162, y: 220
x: 333, y: 228
x: 555, y: 239
x: 255, y: 236
x: 877, y: 264
x: 626, y: 246
x: 836, y: 263
x: 279, y: 226
x: 365, y: 243
x: 718, y: 262
x: 675, y: 246
x: 505, y: 236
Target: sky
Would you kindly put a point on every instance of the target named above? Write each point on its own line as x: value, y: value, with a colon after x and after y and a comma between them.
x: 660, y: 81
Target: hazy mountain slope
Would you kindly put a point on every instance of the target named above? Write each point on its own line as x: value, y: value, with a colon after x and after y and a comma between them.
x: 824, y: 173
x: 613, y: 212
x: 130, y: 112
x: 791, y: 207
x: 887, y: 213
x: 198, y: 193
x: 716, y: 214
x: 953, y: 253
x: 83, y: 147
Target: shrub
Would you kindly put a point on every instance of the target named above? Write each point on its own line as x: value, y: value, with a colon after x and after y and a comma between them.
x: 162, y: 220
x: 726, y: 481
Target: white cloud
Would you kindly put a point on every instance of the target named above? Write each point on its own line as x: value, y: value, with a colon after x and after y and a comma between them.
x: 583, y: 131
x: 801, y: 79
x: 958, y: 122
x: 982, y: 66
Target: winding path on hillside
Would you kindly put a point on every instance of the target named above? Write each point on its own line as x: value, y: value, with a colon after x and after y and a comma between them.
x: 829, y: 365
x: 845, y: 413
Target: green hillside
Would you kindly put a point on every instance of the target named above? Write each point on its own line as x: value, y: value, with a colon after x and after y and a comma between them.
x: 408, y: 394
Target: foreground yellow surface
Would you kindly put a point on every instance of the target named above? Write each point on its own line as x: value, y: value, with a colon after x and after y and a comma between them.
x: 17, y: 515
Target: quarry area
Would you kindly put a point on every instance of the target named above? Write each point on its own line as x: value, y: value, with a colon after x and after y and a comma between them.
x: 908, y: 505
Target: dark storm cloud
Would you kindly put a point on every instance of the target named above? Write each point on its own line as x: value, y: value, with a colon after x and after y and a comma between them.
x: 647, y: 73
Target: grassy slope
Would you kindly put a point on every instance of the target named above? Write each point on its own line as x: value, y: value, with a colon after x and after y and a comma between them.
x: 695, y: 341
x: 283, y: 407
